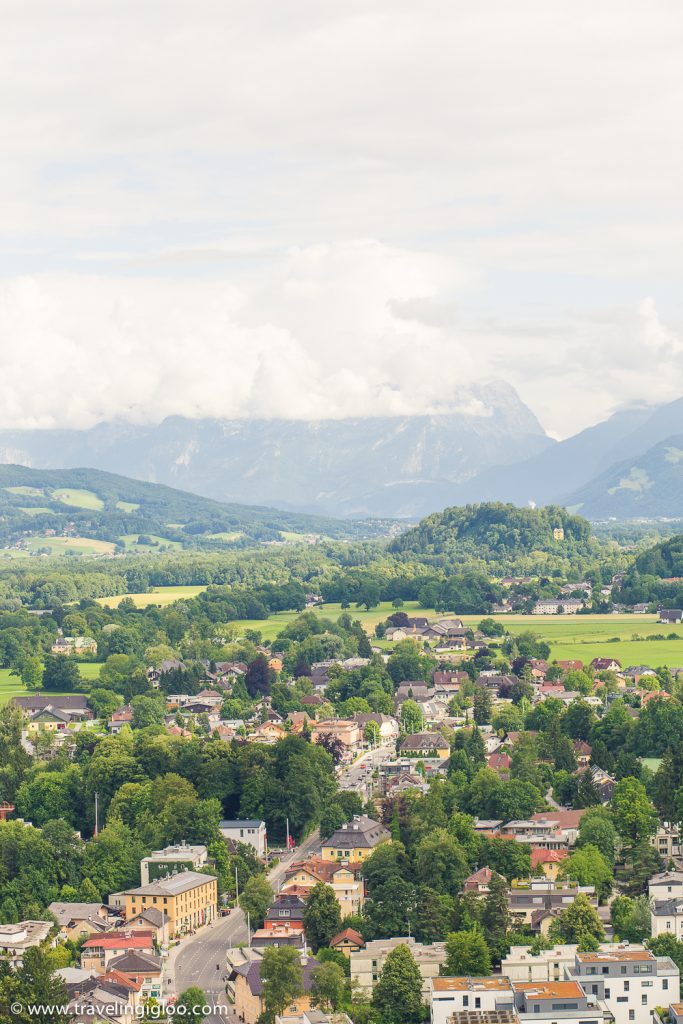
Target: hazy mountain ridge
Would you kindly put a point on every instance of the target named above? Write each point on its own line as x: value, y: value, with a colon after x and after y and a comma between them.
x: 384, y: 466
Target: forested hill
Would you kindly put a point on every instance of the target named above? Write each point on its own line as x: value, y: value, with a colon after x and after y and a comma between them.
x: 494, y: 530
x: 664, y: 560
x: 131, y: 514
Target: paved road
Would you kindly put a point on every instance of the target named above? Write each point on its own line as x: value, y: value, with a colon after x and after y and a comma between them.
x: 196, y: 960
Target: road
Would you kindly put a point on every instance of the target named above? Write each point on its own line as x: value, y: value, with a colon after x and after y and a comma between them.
x: 196, y: 959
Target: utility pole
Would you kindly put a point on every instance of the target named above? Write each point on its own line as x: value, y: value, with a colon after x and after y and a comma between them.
x: 96, y: 813
x: 248, y: 929
x: 287, y: 820
x: 237, y: 886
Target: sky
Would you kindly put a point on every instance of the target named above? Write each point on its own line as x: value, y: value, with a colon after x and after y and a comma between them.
x: 328, y: 208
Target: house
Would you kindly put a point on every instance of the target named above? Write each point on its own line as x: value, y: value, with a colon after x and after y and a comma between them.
x: 535, y: 901
x: 75, y: 704
x: 189, y: 899
x: 77, y: 920
x: 388, y: 726
x: 666, y: 917
x: 478, y: 882
x: 566, y: 822
x: 570, y: 665
x: 630, y: 982
x: 246, y: 988
x: 345, y: 730
x: 287, y: 909
x: 665, y: 885
x: 605, y: 665
x: 299, y: 721
x: 548, y: 860
x: 152, y: 920
x: 120, y: 718
x: 250, y: 831
x: 521, y: 964
x: 425, y: 744
x: 74, y: 645
x: 313, y: 700
x: 355, y: 840
x: 367, y: 964
x: 170, y: 860
x: 448, y: 682
x: 346, y: 882
x: 548, y: 1000
x: 348, y: 941
x: 406, y: 780
x: 412, y: 690
x: 670, y: 615
x: 667, y: 841
x: 582, y: 752
x: 500, y: 763
x: 98, y: 951
x: 142, y: 969
x: 565, y: 606
x: 15, y: 939
x: 210, y: 697
x: 267, y: 732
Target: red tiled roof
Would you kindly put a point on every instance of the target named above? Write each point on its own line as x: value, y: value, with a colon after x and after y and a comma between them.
x: 541, y: 856
x: 120, y: 940
x: 349, y: 934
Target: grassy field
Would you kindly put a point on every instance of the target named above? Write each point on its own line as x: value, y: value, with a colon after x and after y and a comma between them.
x: 79, y: 498
x: 79, y: 545
x: 90, y: 669
x: 130, y: 541
x: 32, y: 492
x: 12, y: 686
x: 35, y: 511
x: 127, y: 506
x: 161, y: 596
x: 229, y: 537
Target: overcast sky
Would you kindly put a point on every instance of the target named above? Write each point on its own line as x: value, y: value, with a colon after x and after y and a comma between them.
x: 312, y: 208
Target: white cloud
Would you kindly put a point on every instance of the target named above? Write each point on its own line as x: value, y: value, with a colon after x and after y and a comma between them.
x: 185, y: 185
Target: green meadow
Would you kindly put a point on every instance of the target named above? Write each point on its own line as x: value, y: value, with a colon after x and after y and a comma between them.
x: 12, y: 686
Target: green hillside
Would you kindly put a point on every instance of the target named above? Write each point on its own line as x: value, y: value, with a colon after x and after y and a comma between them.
x: 87, y: 511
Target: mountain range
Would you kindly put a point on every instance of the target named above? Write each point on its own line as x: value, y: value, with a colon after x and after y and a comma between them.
x: 493, y: 449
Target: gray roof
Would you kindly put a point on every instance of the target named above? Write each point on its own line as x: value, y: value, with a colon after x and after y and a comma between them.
x: 68, y: 701
x: 251, y: 971
x: 360, y: 832
x: 174, y: 885
x: 240, y: 823
x: 135, y: 963
x: 667, y: 908
x: 65, y: 912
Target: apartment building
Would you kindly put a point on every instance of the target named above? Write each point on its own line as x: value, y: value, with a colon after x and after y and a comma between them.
x: 448, y: 996
x: 355, y: 840
x: 667, y: 841
x: 189, y: 900
x: 171, y: 860
x: 346, y: 882
x: 629, y: 982
x: 535, y: 901
x: 249, y: 831
x: 496, y: 999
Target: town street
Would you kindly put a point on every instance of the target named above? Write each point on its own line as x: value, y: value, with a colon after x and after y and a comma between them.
x: 200, y: 959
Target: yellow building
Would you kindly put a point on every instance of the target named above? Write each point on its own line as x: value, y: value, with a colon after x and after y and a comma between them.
x: 355, y: 840
x: 189, y: 900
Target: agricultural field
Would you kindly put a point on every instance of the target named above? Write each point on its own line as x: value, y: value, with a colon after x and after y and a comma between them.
x: 34, y: 511
x: 161, y: 596
x: 78, y: 498
x: 229, y: 538
x: 28, y: 492
x: 75, y: 545
x: 130, y: 542
x: 127, y: 506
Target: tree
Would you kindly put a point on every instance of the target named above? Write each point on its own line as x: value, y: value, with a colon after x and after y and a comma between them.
x: 147, y: 711
x: 104, y: 702
x: 193, y: 1002
x: 587, y: 866
x: 578, y: 923
x: 332, y: 818
x: 441, y: 862
x: 631, y: 919
x: 411, y: 716
x: 117, y: 670
x: 282, y: 979
x: 398, y: 993
x: 467, y: 954
x: 495, y: 916
x: 61, y: 674
x: 482, y: 705
x: 578, y: 720
x: 259, y: 677
x: 634, y: 816
x: 332, y: 745
x: 433, y: 917
x: 597, y: 829
x: 32, y: 672
x: 36, y: 986
x: 328, y: 983
x: 87, y: 892
x: 322, y: 916
x: 255, y: 899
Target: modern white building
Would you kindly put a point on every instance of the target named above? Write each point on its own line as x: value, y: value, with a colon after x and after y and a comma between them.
x: 171, y: 860
x: 367, y: 964
x: 15, y: 939
x: 448, y: 996
x: 248, y: 830
x: 497, y: 999
x: 629, y: 982
x: 666, y: 917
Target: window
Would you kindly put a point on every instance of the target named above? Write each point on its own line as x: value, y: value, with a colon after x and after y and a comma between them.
x: 631, y: 1014
x: 643, y: 1000
x: 665, y: 983
x: 465, y: 1001
x: 477, y: 1003
x: 627, y: 986
x: 623, y: 970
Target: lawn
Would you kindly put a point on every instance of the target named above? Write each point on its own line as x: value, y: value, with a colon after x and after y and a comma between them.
x: 228, y: 537
x: 12, y: 686
x: 130, y: 541
x: 90, y: 669
x: 160, y: 596
x: 34, y: 511
x: 78, y: 498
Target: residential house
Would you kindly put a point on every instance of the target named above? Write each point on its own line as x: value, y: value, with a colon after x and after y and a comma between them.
x: 666, y: 917
x: 345, y: 881
x: 671, y: 616
x: 74, y: 645
x: 152, y: 920
x: 367, y: 963
x: 570, y: 665
x: 521, y: 964
x: 605, y: 665
x: 629, y: 982
x: 548, y: 860
x: 345, y: 730
x: 549, y: 1000
x: 500, y: 762
x: 210, y: 697
x: 170, y: 860
x: 478, y: 997
x: 246, y: 988
x: 287, y: 909
x: 348, y: 941
x: 15, y: 939
x: 566, y: 822
x: 355, y: 840
x: 387, y: 725
x: 119, y: 719
x: 479, y: 882
x: 565, y: 606
x: 299, y: 721
x: 278, y: 935
x: 189, y: 899
x: 250, y: 831
x: 142, y: 969
x: 412, y: 690
x: 425, y: 744
x: 667, y: 841
x: 582, y: 752
x: 79, y: 920
x: 536, y: 901
x: 665, y: 885
x: 98, y: 951
x: 267, y: 733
